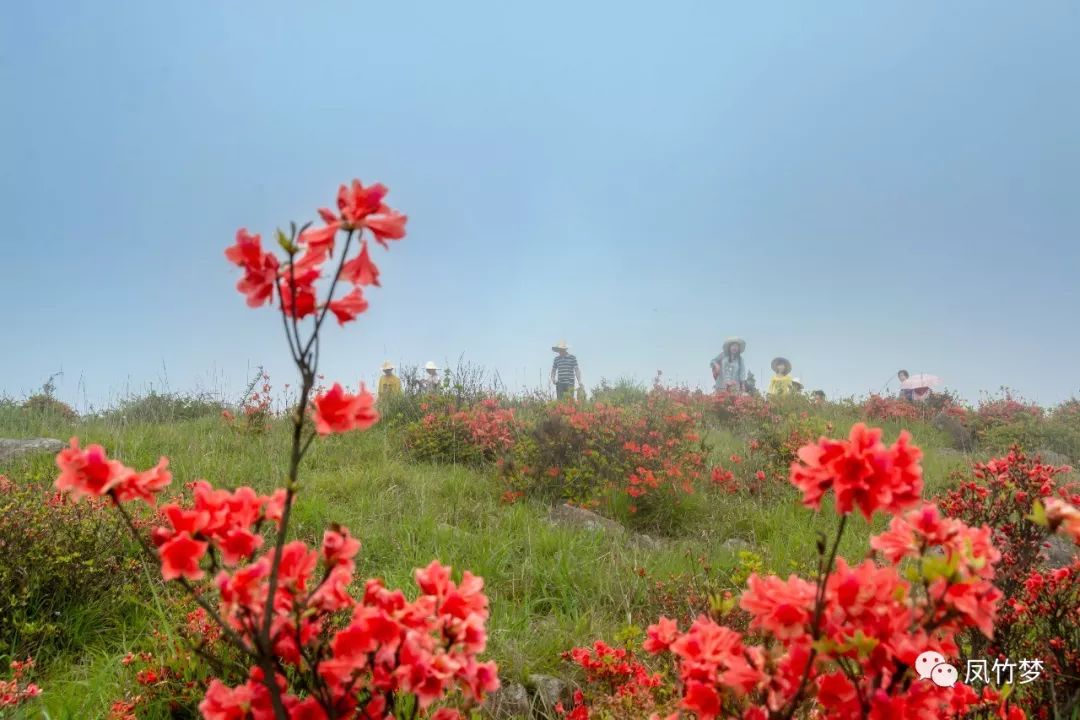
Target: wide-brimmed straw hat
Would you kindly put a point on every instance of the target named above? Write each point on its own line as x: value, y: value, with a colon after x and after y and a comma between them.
x: 387, y: 366
x: 781, y: 361
x: 431, y: 365
x: 735, y: 341
x: 561, y: 346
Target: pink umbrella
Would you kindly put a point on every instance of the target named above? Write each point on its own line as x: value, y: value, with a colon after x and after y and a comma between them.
x: 922, y: 380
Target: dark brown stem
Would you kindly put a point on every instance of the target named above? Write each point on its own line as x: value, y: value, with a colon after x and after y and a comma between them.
x: 299, y: 448
x: 819, y: 608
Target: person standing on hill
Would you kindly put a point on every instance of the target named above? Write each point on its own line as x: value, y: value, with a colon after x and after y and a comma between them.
x: 430, y: 381
x: 905, y: 394
x: 389, y: 384
x: 728, y: 368
x: 564, y: 371
x: 781, y: 383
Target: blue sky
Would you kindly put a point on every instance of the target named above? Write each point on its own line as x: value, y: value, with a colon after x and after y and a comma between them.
x: 857, y: 186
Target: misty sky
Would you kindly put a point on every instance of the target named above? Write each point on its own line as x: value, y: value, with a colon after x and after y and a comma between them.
x: 857, y: 186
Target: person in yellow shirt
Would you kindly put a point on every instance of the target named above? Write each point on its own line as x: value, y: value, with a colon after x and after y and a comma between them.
x: 781, y: 382
x: 389, y: 384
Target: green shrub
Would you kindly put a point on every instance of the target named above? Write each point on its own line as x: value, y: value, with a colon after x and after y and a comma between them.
x: 624, y: 392
x: 638, y: 463
x: 58, y: 559
x: 49, y: 407
x: 155, y: 407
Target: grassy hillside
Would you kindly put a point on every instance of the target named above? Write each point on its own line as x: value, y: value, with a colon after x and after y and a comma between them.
x: 551, y: 587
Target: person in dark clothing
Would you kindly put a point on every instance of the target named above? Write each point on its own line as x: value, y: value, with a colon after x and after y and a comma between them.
x: 908, y: 395
x: 564, y: 371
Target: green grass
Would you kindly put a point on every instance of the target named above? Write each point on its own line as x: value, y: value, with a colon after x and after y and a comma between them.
x: 550, y: 588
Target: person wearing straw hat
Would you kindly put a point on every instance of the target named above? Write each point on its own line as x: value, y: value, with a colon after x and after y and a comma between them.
x: 389, y: 384
x: 781, y: 383
x: 564, y: 371
x: 430, y: 382
x: 728, y: 368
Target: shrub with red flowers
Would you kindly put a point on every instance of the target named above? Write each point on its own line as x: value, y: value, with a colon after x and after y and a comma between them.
x: 1000, y: 493
x: 630, y: 460
x: 256, y: 411
x: 1000, y: 423
x: 845, y: 644
x: 171, y: 676
x: 628, y: 688
x: 881, y: 408
x: 735, y: 410
x: 479, y: 433
x: 313, y: 650
x: 1040, y: 618
x: 776, y: 445
x: 17, y: 690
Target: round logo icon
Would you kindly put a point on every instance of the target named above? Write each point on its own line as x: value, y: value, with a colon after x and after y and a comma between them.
x: 931, y: 666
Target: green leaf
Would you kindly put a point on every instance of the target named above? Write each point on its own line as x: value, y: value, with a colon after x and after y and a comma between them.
x: 285, y: 243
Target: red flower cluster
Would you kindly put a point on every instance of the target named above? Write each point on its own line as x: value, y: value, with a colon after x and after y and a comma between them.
x: 339, y: 411
x: 16, y: 691
x: 315, y: 652
x: 731, y: 408
x: 634, y: 690
x: 477, y: 433
x: 1006, y: 410
x: 390, y: 647
x: 227, y: 522
x: 1040, y: 617
x: 862, y: 471
x: 858, y: 649
x: 587, y: 453
x: 845, y: 647
x: 881, y: 408
x: 359, y: 209
x: 1000, y: 493
x: 89, y: 472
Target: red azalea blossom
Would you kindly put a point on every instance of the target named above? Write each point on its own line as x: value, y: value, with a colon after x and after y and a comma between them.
x: 349, y: 307
x: 361, y: 270
x: 862, y: 471
x: 180, y: 557
x: 337, y: 411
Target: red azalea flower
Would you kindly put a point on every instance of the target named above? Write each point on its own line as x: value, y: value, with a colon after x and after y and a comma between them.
x: 356, y: 202
x: 862, y: 472
x: 180, y: 557
x: 88, y: 471
x: 361, y: 270
x: 388, y: 224
x: 348, y: 307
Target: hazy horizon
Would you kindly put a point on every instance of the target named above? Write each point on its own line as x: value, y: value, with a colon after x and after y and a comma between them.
x: 860, y: 188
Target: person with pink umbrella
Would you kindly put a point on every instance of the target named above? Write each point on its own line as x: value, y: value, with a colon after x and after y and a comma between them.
x: 916, y: 388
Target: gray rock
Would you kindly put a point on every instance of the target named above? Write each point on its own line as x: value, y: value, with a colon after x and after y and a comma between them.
x: 1060, y: 552
x: 575, y: 517
x: 11, y: 449
x: 547, y: 693
x: 509, y: 702
x: 959, y: 436
x: 647, y: 542
x: 736, y: 545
